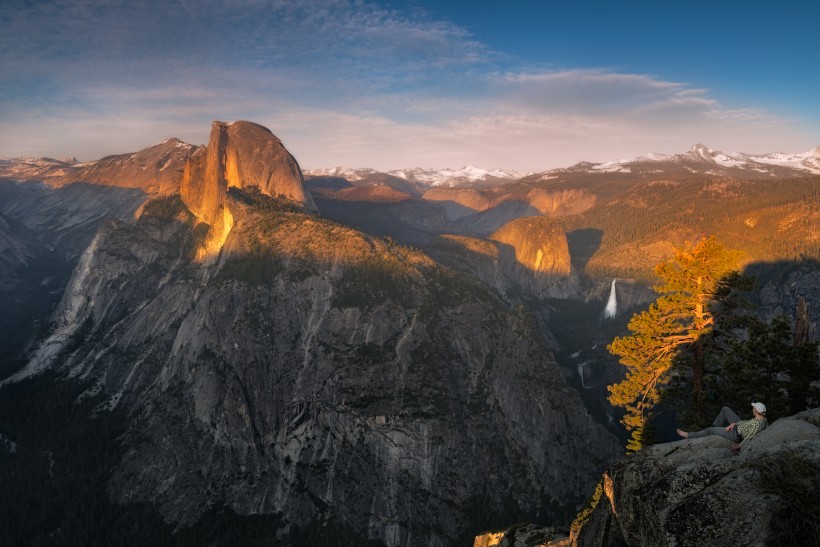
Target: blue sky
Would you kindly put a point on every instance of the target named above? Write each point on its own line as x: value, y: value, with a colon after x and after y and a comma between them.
x: 524, y: 85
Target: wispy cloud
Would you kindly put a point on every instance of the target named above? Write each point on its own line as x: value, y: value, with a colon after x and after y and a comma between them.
x: 339, y: 81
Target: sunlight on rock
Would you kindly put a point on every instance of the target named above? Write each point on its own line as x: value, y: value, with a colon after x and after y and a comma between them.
x: 539, y: 243
x: 489, y: 539
x: 216, y: 236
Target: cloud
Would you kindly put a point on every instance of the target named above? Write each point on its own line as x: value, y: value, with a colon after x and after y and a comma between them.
x: 341, y: 82
x: 518, y: 137
x: 595, y: 91
x: 332, y: 37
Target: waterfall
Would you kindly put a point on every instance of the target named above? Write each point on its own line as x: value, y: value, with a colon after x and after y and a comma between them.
x: 612, y: 304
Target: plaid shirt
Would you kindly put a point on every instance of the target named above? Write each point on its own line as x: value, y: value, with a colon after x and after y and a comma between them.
x: 749, y: 428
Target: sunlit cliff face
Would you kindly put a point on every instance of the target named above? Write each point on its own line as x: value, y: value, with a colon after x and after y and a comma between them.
x: 239, y: 154
x: 217, y: 236
x: 539, y: 243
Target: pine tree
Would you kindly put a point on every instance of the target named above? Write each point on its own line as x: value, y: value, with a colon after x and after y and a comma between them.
x: 691, y: 285
x: 771, y: 364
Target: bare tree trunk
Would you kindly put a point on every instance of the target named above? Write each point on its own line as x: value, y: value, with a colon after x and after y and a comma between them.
x: 801, y: 323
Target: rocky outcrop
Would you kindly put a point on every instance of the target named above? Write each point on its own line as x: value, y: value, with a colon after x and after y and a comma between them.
x: 783, y: 285
x: 43, y: 231
x: 496, y: 265
x: 520, y: 535
x: 562, y: 202
x: 239, y: 155
x: 539, y: 244
x: 697, y: 492
x: 318, y: 373
x: 459, y: 202
x: 154, y: 170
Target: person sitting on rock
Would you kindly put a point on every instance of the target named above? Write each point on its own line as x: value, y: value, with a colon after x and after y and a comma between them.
x: 730, y: 426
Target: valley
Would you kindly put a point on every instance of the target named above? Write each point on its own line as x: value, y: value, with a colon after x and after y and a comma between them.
x: 402, y: 358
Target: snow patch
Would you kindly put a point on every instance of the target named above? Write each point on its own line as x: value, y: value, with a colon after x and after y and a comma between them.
x: 430, y: 177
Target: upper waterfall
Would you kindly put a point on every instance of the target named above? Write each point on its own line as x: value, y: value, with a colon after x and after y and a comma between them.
x: 612, y: 303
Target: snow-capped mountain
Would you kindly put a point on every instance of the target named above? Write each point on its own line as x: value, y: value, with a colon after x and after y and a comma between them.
x: 467, y: 175
x: 456, y: 177
x: 347, y: 173
x: 43, y: 169
x: 701, y: 159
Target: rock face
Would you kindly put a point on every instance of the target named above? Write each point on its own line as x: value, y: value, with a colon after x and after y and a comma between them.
x: 321, y: 374
x: 560, y: 203
x: 43, y: 231
x: 781, y: 290
x: 696, y: 492
x: 239, y: 155
x: 496, y: 264
x: 156, y: 169
x: 539, y: 244
x: 459, y: 202
x: 519, y: 535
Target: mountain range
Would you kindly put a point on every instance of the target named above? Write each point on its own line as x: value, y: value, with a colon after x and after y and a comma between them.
x: 698, y: 159
x: 469, y: 175
x: 270, y: 361
x: 343, y: 356
x: 156, y: 168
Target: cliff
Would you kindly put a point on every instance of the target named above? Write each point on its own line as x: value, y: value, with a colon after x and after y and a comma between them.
x: 239, y: 155
x: 697, y: 492
x: 322, y: 375
x: 459, y: 202
x: 528, y: 256
x: 539, y: 244
x: 154, y: 170
x: 496, y: 265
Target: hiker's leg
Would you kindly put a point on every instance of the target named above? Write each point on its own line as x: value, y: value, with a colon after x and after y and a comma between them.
x: 721, y: 431
x: 726, y: 417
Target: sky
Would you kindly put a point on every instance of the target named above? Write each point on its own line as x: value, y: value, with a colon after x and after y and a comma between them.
x: 516, y: 85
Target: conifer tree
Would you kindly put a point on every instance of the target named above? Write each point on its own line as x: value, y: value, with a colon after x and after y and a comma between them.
x: 691, y: 283
x: 769, y: 363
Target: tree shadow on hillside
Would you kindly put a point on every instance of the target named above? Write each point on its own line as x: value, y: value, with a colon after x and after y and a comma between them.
x: 582, y: 245
x: 453, y: 210
x: 484, y: 223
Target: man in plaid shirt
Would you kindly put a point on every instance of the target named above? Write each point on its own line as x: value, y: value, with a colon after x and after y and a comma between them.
x: 730, y: 426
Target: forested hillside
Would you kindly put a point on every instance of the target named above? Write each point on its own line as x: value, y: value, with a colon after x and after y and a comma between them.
x: 767, y: 220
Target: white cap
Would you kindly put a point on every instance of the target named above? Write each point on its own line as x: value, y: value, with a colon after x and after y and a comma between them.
x: 760, y: 407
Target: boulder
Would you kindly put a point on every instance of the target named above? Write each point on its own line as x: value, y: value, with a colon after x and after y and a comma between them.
x: 520, y: 535
x: 697, y: 492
